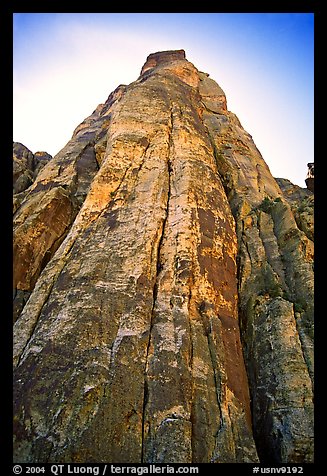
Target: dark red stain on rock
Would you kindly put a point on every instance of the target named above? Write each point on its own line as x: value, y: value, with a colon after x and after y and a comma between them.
x: 35, y: 243
x: 234, y: 362
x: 221, y: 273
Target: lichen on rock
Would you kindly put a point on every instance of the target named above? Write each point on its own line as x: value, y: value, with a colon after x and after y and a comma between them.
x: 165, y: 274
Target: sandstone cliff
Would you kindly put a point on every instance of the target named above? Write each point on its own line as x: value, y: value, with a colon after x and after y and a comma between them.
x: 170, y: 284
x: 26, y: 167
x: 301, y: 201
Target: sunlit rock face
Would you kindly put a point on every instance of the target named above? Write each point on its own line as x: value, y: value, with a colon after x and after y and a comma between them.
x: 170, y: 306
x: 162, y: 57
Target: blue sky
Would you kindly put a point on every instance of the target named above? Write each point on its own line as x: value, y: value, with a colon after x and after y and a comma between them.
x: 66, y: 64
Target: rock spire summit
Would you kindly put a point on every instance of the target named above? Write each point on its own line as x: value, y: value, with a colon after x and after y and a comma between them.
x: 162, y: 57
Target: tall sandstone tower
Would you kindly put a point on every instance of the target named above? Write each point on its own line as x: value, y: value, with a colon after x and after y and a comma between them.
x: 163, y: 288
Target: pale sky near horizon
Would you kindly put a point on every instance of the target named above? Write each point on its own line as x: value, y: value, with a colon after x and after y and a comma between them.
x: 65, y: 64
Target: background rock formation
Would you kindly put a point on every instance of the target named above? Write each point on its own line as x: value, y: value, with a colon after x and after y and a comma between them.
x: 159, y: 254
x: 26, y: 167
x: 301, y: 201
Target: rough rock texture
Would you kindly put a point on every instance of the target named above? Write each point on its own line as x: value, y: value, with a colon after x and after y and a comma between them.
x: 146, y: 241
x: 49, y: 206
x: 301, y: 201
x: 26, y: 167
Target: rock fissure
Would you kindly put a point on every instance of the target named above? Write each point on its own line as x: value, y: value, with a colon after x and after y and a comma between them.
x: 28, y: 321
x: 258, y: 177
x: 157, y: 277
x: 20, y: 356
x: 171, y: 262
x: 254, y: 280
x: 217, y: 380
x: 295, y: 285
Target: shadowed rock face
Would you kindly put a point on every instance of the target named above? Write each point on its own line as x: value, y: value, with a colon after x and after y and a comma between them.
x: 173, y: 256
x: 301, y: 201
x: 26, y: 166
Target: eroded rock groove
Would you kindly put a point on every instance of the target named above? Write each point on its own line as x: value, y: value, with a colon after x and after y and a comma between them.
x: 163, y: 287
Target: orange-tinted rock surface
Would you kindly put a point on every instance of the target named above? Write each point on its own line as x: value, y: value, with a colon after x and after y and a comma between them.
x: 160, y: 253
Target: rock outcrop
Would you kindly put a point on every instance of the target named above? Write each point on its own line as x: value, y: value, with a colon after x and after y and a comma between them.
x: 26, y: 167
x: 301, y: 201
x: 170, y: 316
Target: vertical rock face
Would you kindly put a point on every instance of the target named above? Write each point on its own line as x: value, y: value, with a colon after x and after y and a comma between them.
x: 301, y: 201
x: 26, y: 166
x: 146, y: 243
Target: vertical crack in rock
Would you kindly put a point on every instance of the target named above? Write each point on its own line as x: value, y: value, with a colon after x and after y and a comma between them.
x: 295, y: 247
x: 48, y: 209
x: 158, y: 271
x: 171, y: 238
x: 26, y: 325
x: 82, y: 222
x: 213, y: 354
x: 265, y: 292
x: 19, y: 357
